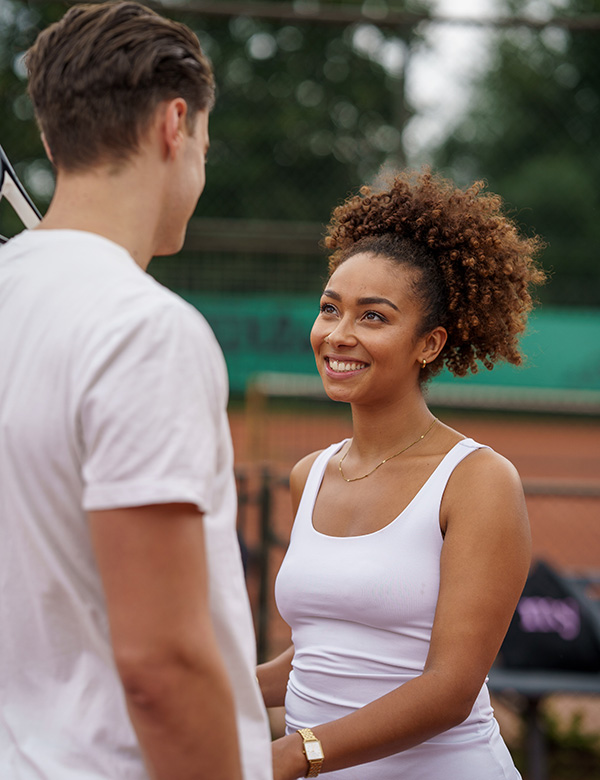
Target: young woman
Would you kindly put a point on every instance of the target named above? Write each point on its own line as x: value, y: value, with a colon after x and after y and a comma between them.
x: 411, y: 543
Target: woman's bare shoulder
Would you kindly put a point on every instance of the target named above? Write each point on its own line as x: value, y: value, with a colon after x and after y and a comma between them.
x: 486, y: 485
x: 486, y: 464
x: 301, y: 470
x: 298, y: 477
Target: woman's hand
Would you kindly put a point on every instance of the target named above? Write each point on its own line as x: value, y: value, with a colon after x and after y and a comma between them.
x: 273, y: 677
x: 289, y: 761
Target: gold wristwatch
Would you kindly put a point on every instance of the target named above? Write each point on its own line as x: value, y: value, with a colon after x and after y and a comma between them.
x: 313, y: 750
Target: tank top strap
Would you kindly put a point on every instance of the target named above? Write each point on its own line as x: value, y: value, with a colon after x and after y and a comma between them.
x: 436, y: 484
x: 313, y: 483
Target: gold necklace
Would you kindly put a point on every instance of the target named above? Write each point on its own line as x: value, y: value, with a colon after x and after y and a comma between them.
x: 385, y: 460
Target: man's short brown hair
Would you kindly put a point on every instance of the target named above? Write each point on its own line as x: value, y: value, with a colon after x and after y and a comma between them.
x: 97, y: 76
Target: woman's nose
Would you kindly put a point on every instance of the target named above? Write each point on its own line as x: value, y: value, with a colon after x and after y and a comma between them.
x: 342, y: 335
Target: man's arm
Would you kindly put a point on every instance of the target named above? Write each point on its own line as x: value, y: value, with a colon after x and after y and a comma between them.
x: 153, y: 567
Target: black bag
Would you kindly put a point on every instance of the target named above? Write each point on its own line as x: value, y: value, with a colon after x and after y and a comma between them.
x: 555, y: 626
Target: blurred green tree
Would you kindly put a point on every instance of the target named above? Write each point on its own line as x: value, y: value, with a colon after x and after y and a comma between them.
x: 305, y: 111
x: 19, y: 24
x: 532, y: 133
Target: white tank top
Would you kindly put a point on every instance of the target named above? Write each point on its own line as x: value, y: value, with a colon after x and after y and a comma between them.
x: 361, y: 611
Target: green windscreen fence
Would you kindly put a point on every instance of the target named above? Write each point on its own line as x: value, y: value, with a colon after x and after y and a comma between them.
x: 265, y: 339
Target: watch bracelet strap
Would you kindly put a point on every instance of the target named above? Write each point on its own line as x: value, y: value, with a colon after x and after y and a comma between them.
x: 314, y: 765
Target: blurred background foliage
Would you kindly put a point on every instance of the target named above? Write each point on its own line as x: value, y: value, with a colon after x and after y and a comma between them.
x: 533, y: 132
x: 313, y: 103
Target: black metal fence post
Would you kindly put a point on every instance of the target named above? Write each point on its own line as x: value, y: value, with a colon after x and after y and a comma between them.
x: 262, y: 630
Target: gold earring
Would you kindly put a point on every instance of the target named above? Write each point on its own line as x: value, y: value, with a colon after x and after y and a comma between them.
x: 424, y: 363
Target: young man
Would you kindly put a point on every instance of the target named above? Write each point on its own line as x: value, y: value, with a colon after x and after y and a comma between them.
x: 127, y: 648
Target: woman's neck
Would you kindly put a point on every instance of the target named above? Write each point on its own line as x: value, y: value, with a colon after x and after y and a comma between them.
x: 377, y: 431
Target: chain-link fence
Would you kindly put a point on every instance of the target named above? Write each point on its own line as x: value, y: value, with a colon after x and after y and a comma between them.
x: 316, y: 99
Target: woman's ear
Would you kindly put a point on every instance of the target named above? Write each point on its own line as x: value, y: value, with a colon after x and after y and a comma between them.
x: 433, y: 344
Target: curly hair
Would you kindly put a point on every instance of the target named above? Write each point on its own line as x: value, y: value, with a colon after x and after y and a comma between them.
x: 476, y: 269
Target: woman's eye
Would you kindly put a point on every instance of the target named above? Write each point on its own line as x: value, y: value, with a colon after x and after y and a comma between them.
x: 327, y: 308
x: 374, y: 316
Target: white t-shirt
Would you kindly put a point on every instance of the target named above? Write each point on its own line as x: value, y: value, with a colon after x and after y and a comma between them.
x: 113, y: 393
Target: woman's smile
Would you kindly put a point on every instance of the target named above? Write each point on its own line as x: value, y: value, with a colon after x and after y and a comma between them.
x: 345, y: 366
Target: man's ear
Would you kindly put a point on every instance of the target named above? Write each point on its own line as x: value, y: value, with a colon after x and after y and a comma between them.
x: 47, y: 148
x: 174, y: 124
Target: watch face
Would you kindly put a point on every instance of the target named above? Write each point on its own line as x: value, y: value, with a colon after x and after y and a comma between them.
x: 313, y: 750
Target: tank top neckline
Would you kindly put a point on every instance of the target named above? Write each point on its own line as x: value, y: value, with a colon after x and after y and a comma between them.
x: 331, y: 451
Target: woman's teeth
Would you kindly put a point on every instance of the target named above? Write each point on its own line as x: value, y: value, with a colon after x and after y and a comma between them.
x: 339, y: 365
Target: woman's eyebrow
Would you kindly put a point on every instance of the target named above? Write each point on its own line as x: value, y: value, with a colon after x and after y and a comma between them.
x: 376, y: 299
x: 372, y: 299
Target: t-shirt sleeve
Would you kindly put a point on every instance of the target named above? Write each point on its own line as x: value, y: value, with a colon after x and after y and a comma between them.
x: 154, y: 398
